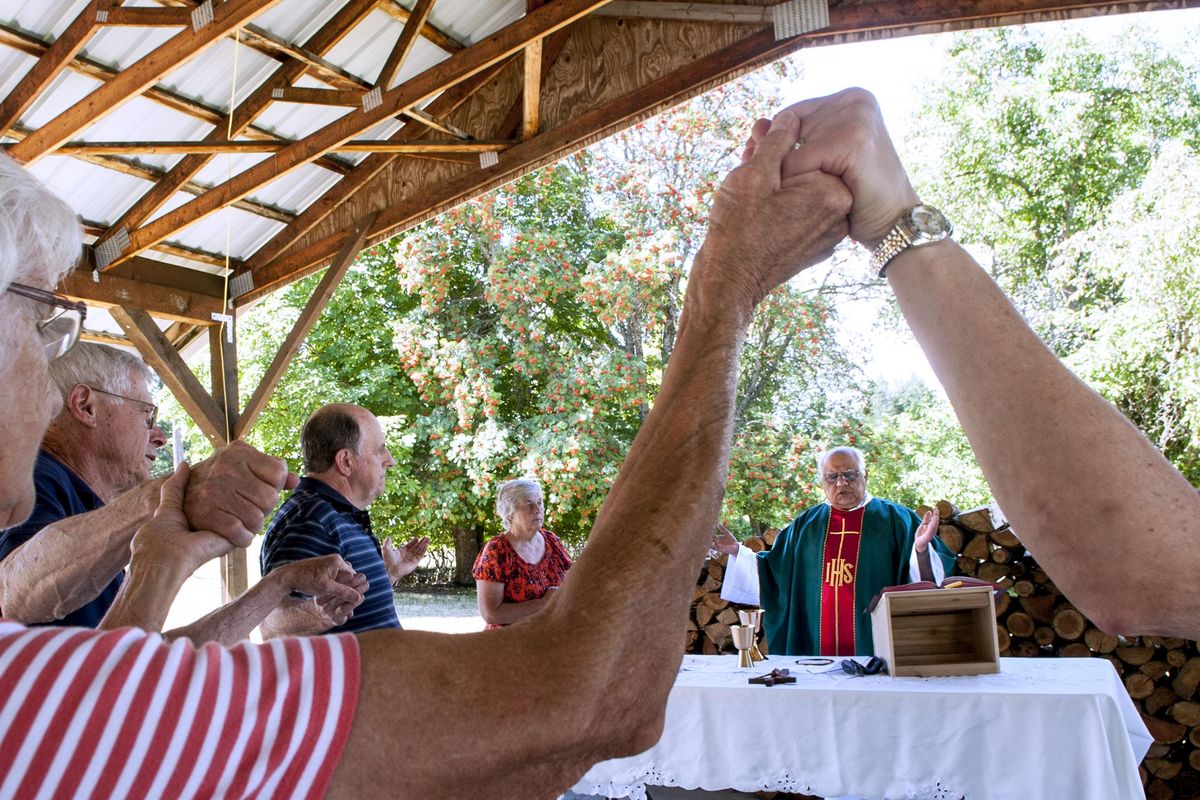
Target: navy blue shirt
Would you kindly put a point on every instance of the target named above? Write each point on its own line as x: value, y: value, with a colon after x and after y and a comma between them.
x: 61, y: 494
x: 317, y: 521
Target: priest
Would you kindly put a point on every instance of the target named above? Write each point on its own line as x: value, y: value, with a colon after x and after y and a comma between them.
x: 816, y: 582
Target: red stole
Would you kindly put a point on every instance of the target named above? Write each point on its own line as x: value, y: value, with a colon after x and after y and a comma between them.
x: 839, y: 572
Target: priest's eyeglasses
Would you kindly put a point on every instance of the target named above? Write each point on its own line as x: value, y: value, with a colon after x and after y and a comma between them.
x: 151, y: 410
x: 60, y: 330
x: 849, y: 477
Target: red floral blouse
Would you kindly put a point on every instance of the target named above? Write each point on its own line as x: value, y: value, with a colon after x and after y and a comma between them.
x: 522, y: 581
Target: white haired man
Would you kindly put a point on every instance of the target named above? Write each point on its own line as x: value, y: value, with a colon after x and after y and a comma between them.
x: 64, y: 564
x: 817, y: 581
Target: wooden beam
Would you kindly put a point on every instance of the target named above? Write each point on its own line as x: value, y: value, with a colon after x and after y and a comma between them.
x: 404, y: 44
x: 438, y: 78
x: 56, y: 58
x: 158, y: 353
x: 319, y: 97
x: 165, y: 302
x: 445, y: 104
x: 238, y: 147
x: 36, y: 47
x: 149, y: 17
x: 440, y: 125
x: 222, y: 354
x: 689, y: 12
x: 324, y: 70
x: 138, y: 77
x: 240, y: 120
x: 104, y: 337
x: 153, y: 174
x: 428, y: 31
x: 222, y: 350
x: 308, y: 317
x: 552, y: 47
x: 531, y: 93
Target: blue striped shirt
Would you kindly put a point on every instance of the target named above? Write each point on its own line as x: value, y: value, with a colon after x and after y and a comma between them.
x: 317, y: 521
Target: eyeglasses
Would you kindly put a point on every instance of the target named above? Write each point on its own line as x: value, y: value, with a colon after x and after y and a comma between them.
x: 59, y: 331
x: 153, y: 412
x: 849, y: 477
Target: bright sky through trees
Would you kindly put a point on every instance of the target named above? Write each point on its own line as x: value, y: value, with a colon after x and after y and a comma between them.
x: 895, y: 71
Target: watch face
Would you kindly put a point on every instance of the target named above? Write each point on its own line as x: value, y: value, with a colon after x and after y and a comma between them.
x: 930, y: 224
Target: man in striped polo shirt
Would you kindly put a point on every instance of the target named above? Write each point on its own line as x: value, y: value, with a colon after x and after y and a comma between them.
x: 345, y: 464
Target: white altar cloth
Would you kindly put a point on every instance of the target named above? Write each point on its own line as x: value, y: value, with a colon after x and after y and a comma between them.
x: 1041, y: 728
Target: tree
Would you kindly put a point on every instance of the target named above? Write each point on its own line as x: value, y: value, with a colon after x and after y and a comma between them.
x: 1076, y: 167
x: 526, y: 333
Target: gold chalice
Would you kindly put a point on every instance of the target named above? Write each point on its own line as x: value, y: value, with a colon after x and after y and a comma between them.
x: 753, y: 619
x: 743, y: 640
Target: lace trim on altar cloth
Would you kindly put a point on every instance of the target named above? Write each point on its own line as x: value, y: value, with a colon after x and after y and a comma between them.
x: 634, y: 787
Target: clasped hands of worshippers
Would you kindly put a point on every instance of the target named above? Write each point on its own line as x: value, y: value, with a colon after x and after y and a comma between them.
x: 818, y: 171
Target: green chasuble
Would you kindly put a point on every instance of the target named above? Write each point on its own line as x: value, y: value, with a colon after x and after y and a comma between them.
x: 790, y: 574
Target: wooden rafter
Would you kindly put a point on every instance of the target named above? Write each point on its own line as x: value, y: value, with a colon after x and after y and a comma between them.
x: 326, y: 71
x: 222, y: 351
x: 164, y: 302
x: 154, y: 174
x: 140, y: 17
x: 138, y: 77
x: 552, y: 46
x: 308, y: 317
x: 225, y: 146
x: 428, y: 31
x: 171, y: 368
x: 371, y: 166
x: 182, y: 173
x: 282, y: 51
x: 901, y: 16
x: 454, y: 69
x: 531, y: 93
x: 318, y: 97
x: 689, y: 12
x: 33, y: 46
x: 57, y: 58
x: 404, y: 44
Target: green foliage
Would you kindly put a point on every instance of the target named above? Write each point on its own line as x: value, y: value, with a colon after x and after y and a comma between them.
x: 1076, y: 166
x: 1033, y: 142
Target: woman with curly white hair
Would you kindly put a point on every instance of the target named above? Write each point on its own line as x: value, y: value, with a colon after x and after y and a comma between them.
x: 517, y: 572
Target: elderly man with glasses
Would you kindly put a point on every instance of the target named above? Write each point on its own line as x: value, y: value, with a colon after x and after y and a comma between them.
x: 817, y: 581
x: 65, y: 563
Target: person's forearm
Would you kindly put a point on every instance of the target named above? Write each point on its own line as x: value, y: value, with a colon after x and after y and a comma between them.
x: 1070, y: 472
x: 69, y: 562
x: 613, y: 633
x: 508, y: 613
x: 146, y: 595
x: 233, y: 622
x: 295, y: 618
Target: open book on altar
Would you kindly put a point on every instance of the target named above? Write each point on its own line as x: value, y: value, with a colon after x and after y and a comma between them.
x: 950, y: 582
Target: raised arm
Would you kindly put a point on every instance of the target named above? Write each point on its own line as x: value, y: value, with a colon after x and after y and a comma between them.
x: 66, y: 563
x: 605, y: 652
x: 1111, y: 521
x: 69, y: 560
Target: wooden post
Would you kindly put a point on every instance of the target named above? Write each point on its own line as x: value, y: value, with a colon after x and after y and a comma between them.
x: 222, y: 346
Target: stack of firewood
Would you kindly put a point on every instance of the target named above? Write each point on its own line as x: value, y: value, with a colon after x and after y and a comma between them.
x: 1033, y: 619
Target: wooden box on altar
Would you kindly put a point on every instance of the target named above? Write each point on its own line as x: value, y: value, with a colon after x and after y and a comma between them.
x: 930, y: 632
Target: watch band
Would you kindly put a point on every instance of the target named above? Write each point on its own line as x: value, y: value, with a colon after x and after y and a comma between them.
x: 916, y: 227
x: 895, y: 243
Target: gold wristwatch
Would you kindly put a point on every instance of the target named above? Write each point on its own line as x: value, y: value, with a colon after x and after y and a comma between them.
x: 918, y: 226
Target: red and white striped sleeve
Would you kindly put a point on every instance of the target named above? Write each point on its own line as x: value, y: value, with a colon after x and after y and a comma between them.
x: 87, y: 713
